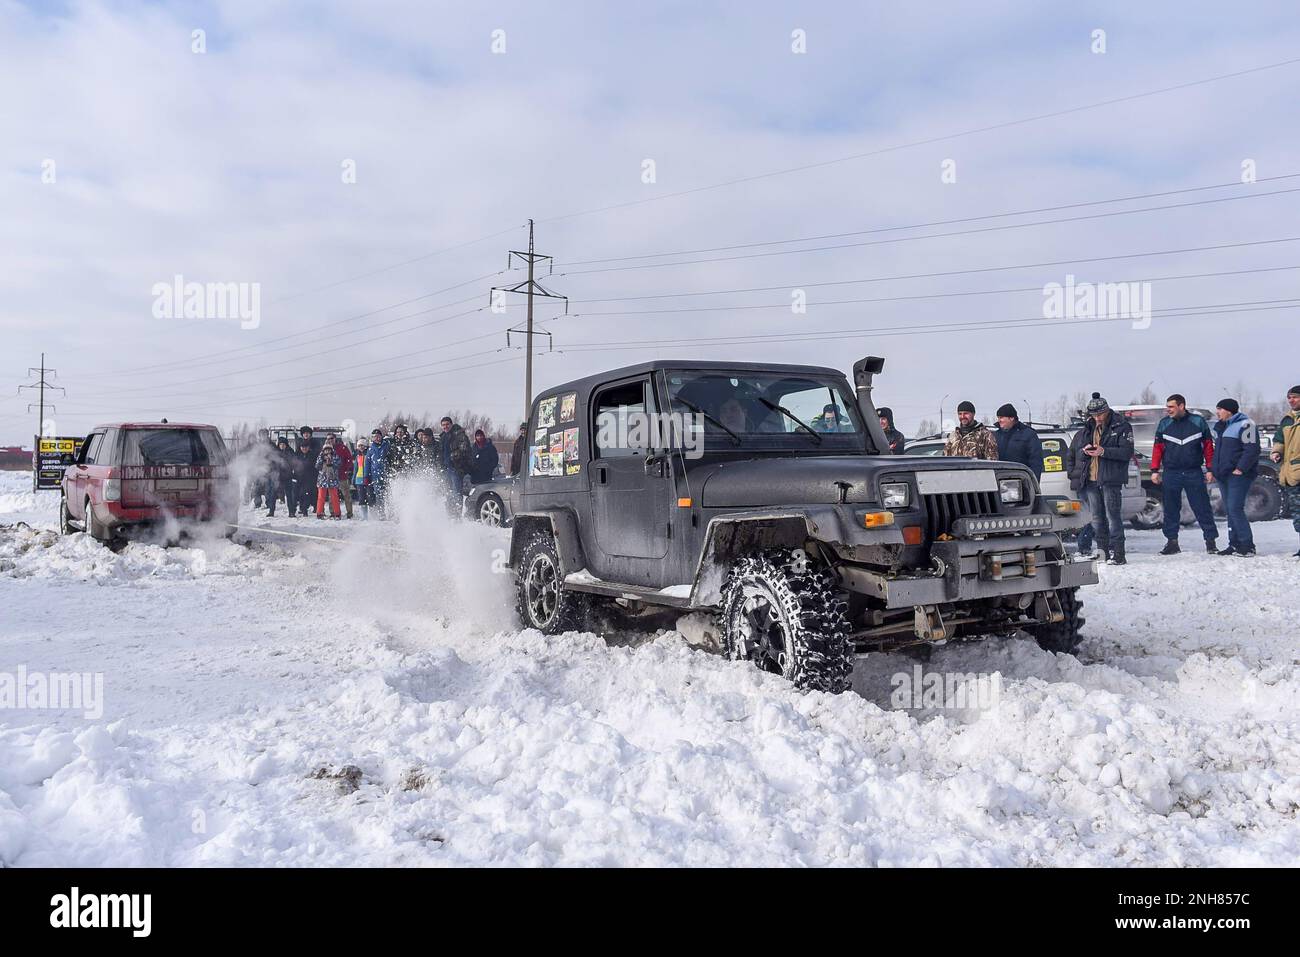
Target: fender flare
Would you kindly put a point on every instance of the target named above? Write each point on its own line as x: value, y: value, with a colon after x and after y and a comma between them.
x: 736, y: 533
x: 561, y: 525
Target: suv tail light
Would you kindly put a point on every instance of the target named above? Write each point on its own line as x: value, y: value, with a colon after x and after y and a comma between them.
x: 112, y: 490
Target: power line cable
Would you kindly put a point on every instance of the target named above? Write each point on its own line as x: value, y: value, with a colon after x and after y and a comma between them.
x: 939, y: 222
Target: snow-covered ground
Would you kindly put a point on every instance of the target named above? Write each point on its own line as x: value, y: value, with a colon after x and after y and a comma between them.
x: 240, y: 680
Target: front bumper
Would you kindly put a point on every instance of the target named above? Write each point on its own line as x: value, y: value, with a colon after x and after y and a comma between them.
x: 971, y: 569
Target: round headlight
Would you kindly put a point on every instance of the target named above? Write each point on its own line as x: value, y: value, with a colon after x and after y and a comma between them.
x: 894, y: 494
x: 1011, y: 490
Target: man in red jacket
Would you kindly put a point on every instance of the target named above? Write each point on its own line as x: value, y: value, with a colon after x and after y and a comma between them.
x: 344, y: 460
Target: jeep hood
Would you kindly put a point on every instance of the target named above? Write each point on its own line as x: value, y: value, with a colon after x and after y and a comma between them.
x: 810, y: 480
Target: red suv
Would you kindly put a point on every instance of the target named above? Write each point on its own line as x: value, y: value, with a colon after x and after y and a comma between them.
x: 133, y: 474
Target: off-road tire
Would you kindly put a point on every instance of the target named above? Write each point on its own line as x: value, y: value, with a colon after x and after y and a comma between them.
x: 1062, y: 637
x: 541, y: 600
x: 807, y: 640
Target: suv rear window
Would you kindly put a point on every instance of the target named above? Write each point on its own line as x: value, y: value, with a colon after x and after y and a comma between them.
x: 173, y: 447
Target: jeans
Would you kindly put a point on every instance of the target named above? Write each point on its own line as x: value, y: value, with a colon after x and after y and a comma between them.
x: 1235, y: 488
x: 455, y: 491
x: 1105, y: 502
x: 1173, y: 483
x: 365, y: 497
x: 1086, y: 536
x: 281, y: 489
x: 306, y: 492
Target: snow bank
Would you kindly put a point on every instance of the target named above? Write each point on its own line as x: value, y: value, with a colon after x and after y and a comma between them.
x: 370, y: 701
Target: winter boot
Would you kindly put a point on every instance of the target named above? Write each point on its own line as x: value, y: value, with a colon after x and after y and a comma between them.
x: 1117, y: 557
x: 1246, y: 552
x: 1211, y: 547
x: 1230, y: 550
x: 1171, y: 547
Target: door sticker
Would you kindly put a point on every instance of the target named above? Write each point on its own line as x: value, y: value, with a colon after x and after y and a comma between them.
x: 546, y: 412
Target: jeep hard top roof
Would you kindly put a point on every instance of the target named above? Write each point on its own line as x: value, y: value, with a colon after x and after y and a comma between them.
x: 154, y: 425
x: 688, y: 365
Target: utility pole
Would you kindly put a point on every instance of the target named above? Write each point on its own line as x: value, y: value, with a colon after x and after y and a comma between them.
x: 531, y: 287
x: 40, y: 385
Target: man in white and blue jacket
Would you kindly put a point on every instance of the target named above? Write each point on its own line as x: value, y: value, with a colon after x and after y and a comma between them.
x: 1183, y: 445
x: 1236, y: 463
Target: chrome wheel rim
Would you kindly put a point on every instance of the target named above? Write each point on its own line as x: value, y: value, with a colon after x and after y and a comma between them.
x: 542, y: 590
x: 489, y: 512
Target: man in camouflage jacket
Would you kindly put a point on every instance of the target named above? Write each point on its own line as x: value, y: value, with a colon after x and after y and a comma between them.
x: 971, y: 439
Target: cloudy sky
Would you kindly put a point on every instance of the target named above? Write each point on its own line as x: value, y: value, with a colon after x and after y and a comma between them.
x: 368, y: 166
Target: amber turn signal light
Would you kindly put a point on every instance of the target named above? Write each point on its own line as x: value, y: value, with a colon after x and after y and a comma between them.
x: 912, y: 535
x: 683, y: 503
x: 878, y: 519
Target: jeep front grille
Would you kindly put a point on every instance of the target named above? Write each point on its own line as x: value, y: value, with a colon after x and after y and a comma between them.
x: 942, y: 510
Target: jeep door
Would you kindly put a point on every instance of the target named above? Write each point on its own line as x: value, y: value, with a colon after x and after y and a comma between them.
x: 631, y: 484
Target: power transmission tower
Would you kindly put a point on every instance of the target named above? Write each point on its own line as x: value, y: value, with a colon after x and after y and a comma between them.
x: 531, y: 287
x: 41, y: 385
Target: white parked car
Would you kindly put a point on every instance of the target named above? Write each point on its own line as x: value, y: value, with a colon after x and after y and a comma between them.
x: 1054, y: 480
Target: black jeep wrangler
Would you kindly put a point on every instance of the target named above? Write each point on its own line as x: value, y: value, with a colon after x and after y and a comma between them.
x: 759, y: 492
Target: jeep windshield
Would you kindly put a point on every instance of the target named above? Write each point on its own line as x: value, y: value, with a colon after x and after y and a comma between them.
x: 768, y: 410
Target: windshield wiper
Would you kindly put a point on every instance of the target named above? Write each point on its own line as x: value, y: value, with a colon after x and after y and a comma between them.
x: 698, y: 411
x: 792, y: 417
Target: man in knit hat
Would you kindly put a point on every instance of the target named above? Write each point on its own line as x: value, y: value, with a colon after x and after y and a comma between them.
x: 971, y: 439
x: 1018, y: 442
x: 896, y: 438
x: 1286, y: 453
x: 1107, y: 454
x: 1236, y: 464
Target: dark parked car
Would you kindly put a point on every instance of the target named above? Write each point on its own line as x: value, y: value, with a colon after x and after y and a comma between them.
x: 729, y: 487
x: 134, y: 474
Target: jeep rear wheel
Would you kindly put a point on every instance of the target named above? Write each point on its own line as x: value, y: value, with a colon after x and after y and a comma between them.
x: 786, y: 615
x: 542, y: 601
x: 1062, y: 637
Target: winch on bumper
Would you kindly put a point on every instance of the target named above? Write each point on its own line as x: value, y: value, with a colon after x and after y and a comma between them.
x: 966, y: 569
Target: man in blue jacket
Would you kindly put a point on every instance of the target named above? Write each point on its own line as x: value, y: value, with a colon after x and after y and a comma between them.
x: 1236, y: 463
x: 1018, y: 442
x: 375, y: 466
x: 1183, y: 444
